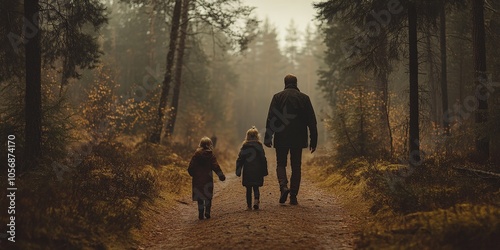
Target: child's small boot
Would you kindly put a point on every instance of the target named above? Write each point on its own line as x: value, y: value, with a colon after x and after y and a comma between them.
x: 200, y: 214
x: 249, y: 201
x: 201, y: 209
x: 208, y: 206
x: 256, y: 204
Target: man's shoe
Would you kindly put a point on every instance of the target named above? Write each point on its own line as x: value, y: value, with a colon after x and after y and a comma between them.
x: 284, y: 195
x: 293, y: 200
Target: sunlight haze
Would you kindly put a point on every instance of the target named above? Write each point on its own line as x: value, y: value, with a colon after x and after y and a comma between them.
x: 281, y: 12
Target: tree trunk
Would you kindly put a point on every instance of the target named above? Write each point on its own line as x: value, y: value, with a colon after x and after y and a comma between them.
x: 383, y: 82
x: 178, y: 68
x: 433, y: 87
x: 33, y: 99
x: 362, y: 133
x: 414, y: 156
x: 479, y: 51
x: 444, y: 70
x: 174, y: 31
x: 152, y: 37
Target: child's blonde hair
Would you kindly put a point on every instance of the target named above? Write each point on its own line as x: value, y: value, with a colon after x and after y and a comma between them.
x: 252, y: 135
x: 206, y: 143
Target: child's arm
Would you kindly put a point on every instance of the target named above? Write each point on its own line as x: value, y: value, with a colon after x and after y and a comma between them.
x: 216, y: 168
x: 239, y: 163
x: 191, y: 167
x: 264, y: 163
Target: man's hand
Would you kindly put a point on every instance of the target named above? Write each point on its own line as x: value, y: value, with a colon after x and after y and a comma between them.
x: 312, y: 149
x: 268, y: 144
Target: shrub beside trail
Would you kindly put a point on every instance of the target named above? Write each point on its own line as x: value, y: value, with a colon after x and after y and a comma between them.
x: 432, y: 206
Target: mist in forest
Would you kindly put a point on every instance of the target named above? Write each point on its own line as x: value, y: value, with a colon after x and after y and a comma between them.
x: 224, y: 91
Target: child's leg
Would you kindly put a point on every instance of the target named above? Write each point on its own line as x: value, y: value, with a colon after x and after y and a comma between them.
x: 257, y: 197
x: 249, y: 197
x: 208, y: 206
x: 201, y: 208
x: 256, y: 192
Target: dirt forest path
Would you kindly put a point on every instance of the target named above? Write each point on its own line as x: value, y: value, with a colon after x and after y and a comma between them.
x: 318, y: 222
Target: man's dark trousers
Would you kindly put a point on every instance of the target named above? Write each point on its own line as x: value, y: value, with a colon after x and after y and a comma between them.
x: 295, y: 162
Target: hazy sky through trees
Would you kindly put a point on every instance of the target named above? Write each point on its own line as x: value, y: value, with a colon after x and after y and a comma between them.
x: 280, y: 12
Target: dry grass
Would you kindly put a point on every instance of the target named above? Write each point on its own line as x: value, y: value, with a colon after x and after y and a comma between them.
x: 432, y: 206
x: 102, y: 202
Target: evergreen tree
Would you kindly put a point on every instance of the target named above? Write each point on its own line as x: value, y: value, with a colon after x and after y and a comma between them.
x: 33, y: 98
x: 174, y: 31
x: 380, y: 42
x: 481, y: 77
x: 292, y: 41
x: 261, y: 73
x: 52, y: 33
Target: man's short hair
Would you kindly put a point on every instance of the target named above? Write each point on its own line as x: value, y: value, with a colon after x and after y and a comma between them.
x: 290, y: 79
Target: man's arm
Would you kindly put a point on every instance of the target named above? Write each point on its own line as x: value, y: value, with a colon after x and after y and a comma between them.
x: 240, y: 162
x: 312, y: 125
x: 216, y: 168
x: 268, y: 138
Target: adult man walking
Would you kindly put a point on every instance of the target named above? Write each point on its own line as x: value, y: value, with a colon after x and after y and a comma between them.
x: 290, y: 114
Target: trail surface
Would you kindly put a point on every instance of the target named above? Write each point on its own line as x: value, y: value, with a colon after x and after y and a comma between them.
x: 318, y: 222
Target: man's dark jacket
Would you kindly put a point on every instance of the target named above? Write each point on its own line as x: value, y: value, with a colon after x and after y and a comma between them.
x: 290, y: 114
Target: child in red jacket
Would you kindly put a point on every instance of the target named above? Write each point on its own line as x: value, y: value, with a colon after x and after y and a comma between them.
x: 200, y: 168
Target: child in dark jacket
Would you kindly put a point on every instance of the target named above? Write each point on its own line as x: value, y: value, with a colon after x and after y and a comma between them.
x: 252, y: 160
x: 200, y: 168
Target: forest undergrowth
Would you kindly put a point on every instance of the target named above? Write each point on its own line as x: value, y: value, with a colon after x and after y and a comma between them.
x: 98, y: 179
x: 431, y: 206
x: 104, y: 201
